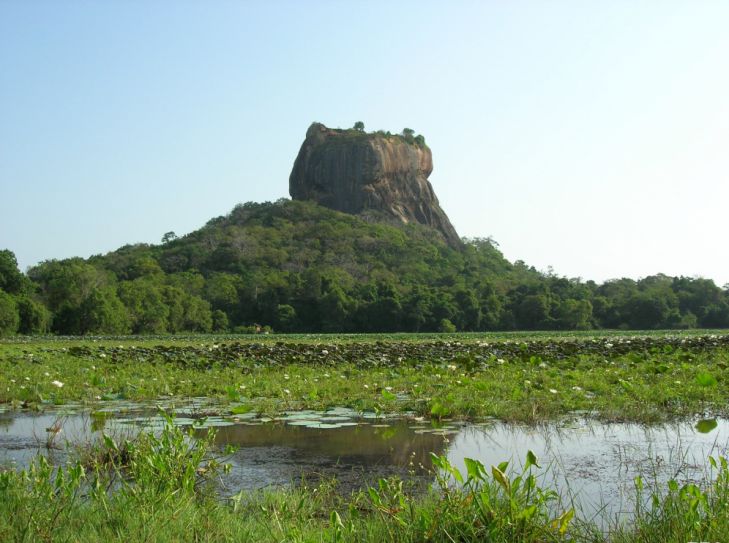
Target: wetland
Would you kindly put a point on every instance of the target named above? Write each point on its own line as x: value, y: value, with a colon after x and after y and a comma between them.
x: 611, y: 436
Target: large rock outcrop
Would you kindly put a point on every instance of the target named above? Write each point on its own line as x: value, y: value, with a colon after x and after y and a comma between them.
x: 356, y: 172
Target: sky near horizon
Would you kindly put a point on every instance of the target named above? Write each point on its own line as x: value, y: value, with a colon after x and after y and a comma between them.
x: 592, y: 137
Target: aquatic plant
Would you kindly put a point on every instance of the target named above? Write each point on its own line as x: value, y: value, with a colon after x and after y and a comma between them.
x: 479, y: 507
x: 150, y: 489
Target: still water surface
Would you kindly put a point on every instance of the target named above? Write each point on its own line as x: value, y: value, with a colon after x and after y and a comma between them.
x: 592, y: 463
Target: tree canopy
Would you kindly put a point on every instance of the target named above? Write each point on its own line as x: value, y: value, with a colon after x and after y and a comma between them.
x: 299, y: 267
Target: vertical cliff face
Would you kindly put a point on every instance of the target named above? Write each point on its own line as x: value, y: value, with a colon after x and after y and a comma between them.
x: 354, y: 172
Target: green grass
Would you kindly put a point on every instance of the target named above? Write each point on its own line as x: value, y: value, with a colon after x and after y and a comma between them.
x: 527, y: 379
x: 158, y: 488
x: 153, y: 489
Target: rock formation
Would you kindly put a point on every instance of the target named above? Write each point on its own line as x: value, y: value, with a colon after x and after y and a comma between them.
x: 356, y: 172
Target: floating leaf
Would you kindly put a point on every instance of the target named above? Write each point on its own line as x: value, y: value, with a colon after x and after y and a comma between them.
x: 341, y: 412
x: 216, y: 423
x: 183, y: 421
x: 705, y: 426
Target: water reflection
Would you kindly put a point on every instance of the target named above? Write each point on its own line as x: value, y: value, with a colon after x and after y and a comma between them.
x: 279, y: 454
x: 595, y: 464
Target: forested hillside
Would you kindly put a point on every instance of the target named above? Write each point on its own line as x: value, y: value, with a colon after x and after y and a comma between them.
x: 298, y: 267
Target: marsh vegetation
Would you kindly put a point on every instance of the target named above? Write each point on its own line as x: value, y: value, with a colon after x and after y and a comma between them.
x: 322, y: 398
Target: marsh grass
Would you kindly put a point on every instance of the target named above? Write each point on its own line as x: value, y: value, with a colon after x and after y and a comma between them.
x: 156, y: 487
x: 647, y: 379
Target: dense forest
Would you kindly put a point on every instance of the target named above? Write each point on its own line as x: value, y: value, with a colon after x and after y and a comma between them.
x: 295, y: 266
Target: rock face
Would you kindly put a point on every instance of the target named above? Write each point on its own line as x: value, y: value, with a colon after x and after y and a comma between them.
x: 355, y: 172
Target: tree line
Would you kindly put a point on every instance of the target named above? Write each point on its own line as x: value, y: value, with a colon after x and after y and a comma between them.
x: 299, y: 267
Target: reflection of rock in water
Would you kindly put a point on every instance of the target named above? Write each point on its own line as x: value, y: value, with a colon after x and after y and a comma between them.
x: 273, y: 454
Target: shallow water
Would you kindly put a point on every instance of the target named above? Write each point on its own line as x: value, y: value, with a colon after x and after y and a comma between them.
x: 592, y: 463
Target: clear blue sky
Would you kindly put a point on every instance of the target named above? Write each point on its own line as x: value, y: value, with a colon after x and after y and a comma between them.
x: 589, y: 136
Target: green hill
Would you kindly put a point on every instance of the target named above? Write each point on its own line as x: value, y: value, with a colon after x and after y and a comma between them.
x: 298, y: 266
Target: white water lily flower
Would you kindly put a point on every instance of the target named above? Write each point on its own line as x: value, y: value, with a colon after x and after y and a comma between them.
x: 58, y: 384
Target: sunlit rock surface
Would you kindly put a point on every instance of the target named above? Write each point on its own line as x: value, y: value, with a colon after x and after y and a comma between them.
x: 356, y: 172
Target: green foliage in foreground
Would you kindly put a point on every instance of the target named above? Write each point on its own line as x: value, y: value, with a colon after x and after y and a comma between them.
x: 644, y: 379
x: 158, y: 488
x: 298, y: 267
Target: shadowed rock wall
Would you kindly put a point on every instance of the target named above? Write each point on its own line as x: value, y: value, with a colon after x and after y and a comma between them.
x: 353, y: 172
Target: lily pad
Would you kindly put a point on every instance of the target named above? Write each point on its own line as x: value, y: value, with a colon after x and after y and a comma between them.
x: 215, y: 423
x: 330, y: 426
x: 305, y: 423
x: 341, y: 412
x: 183, y: 421
x: 302, y: 415
x: 705, y: 426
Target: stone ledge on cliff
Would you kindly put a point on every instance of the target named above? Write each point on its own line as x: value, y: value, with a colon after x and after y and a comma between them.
x: 353, y: 171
